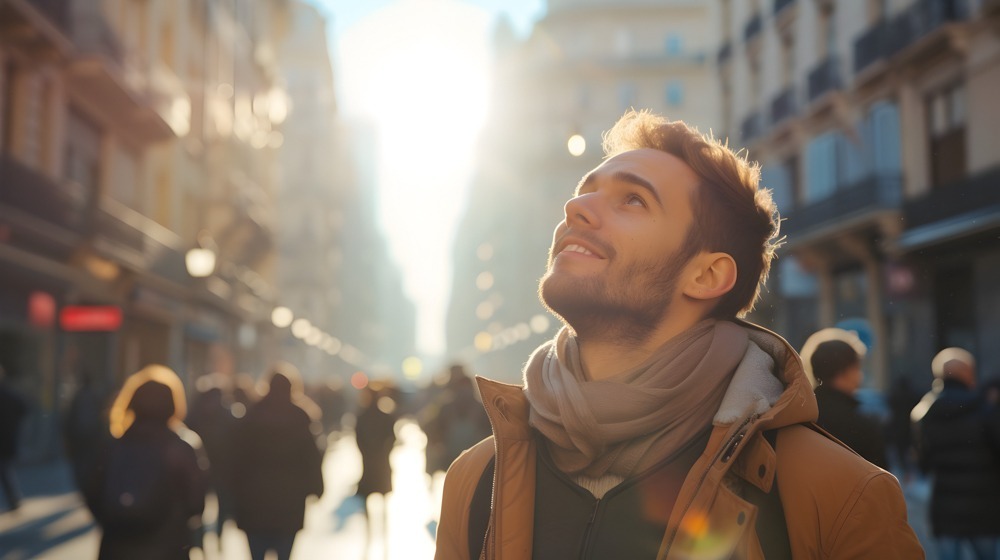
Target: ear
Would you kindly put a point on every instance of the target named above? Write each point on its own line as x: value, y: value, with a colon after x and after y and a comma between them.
x: 712, y: 276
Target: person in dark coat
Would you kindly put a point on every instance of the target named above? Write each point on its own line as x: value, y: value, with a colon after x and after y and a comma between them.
x: 85, y: 428
x: 148, y: 489
x: 277, y: 464
x: 959, y: 444
x: 834, y: 357
x: 212, y: 419
x: 376, y: 436
x: 12, y: 412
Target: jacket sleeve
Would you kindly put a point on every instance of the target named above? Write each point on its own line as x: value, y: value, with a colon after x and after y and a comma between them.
x: 459, y: 488
x: 874, y: 524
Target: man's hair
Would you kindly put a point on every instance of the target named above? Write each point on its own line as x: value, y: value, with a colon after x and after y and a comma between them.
x: 732, y: 214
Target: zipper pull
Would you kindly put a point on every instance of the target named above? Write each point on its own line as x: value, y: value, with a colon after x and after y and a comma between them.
x: 731, y: 448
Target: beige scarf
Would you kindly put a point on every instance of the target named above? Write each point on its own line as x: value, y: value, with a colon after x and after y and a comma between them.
x: 629, y: 422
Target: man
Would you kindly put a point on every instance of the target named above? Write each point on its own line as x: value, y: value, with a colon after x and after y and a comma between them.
x: 834, y: 359
x: 656, y: 424
x: 959, y: 443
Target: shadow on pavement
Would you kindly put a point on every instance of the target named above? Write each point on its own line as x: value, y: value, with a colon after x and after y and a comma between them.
x: 39, y: 535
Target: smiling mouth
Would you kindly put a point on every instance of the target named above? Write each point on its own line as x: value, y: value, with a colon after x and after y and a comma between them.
x: 574, y: 248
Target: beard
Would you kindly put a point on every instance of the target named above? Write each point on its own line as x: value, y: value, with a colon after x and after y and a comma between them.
x: 626, y: 305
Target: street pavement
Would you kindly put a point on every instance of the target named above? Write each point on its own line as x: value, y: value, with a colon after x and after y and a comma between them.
x: 53, y: 524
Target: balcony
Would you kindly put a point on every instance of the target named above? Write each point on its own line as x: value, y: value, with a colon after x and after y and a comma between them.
x: 29, y: 193
x: 752, y: 127
x: 865, y: 198
x: 130, y: 237
x: 783, y: 106
x: 950, y: 201
x: 825, y: 77
x: 753, y: 28
x: 888, y: 37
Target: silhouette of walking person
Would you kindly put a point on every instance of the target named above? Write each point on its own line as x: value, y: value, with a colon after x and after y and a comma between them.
x: 148, y: 488
x: 376, y: 437
x: 276, y: 465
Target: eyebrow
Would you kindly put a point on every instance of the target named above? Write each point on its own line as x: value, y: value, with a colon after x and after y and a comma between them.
x: 626, y: 177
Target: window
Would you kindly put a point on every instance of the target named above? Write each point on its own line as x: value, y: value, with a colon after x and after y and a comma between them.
x: 675, y: 93
x: 753, y: 67
x: 883, y: 119
x: 125, y: 180
x: 83, y: 152
x: 827, y: 31
x: 674, y: 45
x: 821, y: 167
x: 787, y: 60
x: 796, y: 281
x: 946, y: 119
x: 775, y: 178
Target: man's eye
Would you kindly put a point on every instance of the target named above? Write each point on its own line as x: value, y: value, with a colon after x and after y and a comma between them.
x: 635, y: 200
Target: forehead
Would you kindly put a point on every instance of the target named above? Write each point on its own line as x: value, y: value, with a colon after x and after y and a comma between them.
x: 668, y: 174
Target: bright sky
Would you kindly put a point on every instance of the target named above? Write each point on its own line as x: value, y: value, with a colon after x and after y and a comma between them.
x: 419, y: 69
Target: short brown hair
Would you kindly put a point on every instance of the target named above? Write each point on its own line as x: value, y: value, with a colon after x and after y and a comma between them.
x: 732, y: 213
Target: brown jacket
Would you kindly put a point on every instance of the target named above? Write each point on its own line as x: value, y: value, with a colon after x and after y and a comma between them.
x: 837, y: 505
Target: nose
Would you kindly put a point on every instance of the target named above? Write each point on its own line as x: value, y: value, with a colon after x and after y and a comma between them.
x: 580, y: 210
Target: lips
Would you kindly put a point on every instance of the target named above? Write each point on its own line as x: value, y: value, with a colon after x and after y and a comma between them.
x: 578, y: 245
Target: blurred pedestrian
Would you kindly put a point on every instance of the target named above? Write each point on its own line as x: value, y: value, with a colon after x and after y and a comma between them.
x: 834, y: 360
x: 454, y: 420
x: 376, y: 436
x: 276, y: 464
x: 901, y: 451
x: 148, y: 490
x: 13, y: 409
x: 959, y: 444
x: 85, y: 428
x: 212, y: 419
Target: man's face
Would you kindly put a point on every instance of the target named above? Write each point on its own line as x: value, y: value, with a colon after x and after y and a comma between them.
x: 616, y: 256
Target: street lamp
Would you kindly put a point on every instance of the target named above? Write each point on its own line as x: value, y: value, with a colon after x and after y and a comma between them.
x: 200, y: 262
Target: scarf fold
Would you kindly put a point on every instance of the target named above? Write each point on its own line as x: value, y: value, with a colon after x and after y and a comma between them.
x: 629, y: 422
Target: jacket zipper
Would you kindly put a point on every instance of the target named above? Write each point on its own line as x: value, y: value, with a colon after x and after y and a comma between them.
x: 725, y: 454
x: 590, y: 528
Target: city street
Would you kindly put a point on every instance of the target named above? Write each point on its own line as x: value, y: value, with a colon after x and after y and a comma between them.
x: 52, y: 523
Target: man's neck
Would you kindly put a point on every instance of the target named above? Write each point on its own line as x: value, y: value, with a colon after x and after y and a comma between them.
x: 604, y: 355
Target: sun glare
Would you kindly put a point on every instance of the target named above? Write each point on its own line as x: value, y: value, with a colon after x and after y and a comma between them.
x: 419, y: 72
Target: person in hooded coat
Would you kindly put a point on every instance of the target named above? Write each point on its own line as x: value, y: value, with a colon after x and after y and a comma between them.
x: 277, y: 464
x: 959, y: 444
x: 147, y: 492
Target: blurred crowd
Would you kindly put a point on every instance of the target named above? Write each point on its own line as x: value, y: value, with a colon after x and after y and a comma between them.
x: 145, y: 456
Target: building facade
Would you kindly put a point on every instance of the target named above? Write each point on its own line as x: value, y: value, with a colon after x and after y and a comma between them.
x: 875, y: 129
x: 130, y: 133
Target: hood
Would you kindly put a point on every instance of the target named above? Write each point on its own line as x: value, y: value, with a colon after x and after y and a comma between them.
x: 769, y: 383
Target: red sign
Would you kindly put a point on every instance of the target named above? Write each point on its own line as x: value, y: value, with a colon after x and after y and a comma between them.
x: 90, y: 318
x: 41, y: 310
